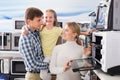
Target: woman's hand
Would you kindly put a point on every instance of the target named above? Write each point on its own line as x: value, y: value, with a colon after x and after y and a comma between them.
x: 67, y: 66
x: 87, y: 50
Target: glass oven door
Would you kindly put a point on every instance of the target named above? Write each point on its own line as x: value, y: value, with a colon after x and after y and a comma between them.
x: 15, y: 40
x: 17, y: 67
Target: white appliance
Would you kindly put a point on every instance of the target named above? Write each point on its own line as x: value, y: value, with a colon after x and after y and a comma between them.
x: 106, y: 49
x: 5, y: 41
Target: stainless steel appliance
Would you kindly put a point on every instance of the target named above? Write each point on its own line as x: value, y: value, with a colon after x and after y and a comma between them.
x: 17, y: 67
x: 5, y: 41
x: 15, y: 41
x: 106, y: 49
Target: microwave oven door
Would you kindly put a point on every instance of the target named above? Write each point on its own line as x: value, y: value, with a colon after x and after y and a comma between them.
x: 15, y: 40
x: 5, y: 41
x: 17, y: 67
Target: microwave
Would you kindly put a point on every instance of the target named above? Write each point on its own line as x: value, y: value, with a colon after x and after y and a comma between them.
x: 106, y: 49
x: 17, y: 67
x: 5, y: 41
x: 15, y: 41
x: 18, y: 24
x: 1, y: 66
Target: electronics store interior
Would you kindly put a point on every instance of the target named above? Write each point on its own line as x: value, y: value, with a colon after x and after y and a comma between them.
x: 23, y: 52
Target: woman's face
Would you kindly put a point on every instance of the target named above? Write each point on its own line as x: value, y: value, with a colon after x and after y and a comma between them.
x: 68, y: 34
x: 49, y: 18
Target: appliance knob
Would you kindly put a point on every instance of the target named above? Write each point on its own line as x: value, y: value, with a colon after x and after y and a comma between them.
x: 102, y: 61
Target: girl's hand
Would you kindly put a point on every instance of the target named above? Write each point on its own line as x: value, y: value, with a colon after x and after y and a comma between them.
x: 24, y: 31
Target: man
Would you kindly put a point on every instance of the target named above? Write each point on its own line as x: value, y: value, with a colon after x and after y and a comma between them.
x: 30, y: 45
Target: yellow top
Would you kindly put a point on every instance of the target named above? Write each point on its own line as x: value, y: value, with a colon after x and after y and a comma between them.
x: 49, y: 39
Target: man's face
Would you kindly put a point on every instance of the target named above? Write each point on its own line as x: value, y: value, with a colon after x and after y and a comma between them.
x: 36, y: 22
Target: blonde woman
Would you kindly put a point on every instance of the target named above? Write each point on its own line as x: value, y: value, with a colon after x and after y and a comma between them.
x: 61, y: 54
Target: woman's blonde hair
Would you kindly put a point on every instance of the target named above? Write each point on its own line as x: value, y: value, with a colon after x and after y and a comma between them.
x: 75, y: 27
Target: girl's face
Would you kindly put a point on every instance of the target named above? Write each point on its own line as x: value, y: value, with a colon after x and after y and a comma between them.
x: 68, y: 34
x: 49, y: 18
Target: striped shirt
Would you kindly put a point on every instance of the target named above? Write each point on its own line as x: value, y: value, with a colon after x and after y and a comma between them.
x: 30, y: 48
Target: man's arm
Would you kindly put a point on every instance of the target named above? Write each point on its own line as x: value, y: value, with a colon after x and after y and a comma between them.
x: 29, y: 55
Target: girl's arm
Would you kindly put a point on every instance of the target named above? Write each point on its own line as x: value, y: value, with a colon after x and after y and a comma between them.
x: 24, y: 30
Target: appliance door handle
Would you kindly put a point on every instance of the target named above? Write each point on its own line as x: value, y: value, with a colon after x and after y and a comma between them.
x: 2, y: 66
x: 2, y: 40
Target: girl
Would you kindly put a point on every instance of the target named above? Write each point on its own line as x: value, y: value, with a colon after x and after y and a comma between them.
x: 49, y: 34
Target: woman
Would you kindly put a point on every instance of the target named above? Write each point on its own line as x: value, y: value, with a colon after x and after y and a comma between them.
x: 63, y: 53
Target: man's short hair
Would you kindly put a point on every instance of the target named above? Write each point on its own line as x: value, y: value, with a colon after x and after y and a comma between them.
x: 33, y: 12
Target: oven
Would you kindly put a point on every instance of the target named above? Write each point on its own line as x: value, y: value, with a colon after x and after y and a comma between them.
x: 18, y: 24
x: 15, y: 40
x: 106, y: 47
x: 17, y: 67
x: 5, y: 41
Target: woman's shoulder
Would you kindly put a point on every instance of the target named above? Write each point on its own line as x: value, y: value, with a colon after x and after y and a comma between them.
x: 79, y: 46
x: 59, y: 46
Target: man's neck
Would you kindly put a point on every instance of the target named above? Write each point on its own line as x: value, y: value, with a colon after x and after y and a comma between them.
x: 32, y: 28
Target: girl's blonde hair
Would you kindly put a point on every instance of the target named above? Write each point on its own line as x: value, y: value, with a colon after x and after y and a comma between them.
x: 55, y: 16
x: 75, y: 27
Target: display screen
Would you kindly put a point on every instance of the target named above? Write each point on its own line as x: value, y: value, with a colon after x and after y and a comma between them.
x: 19, y: 24
x: 100, y: 23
